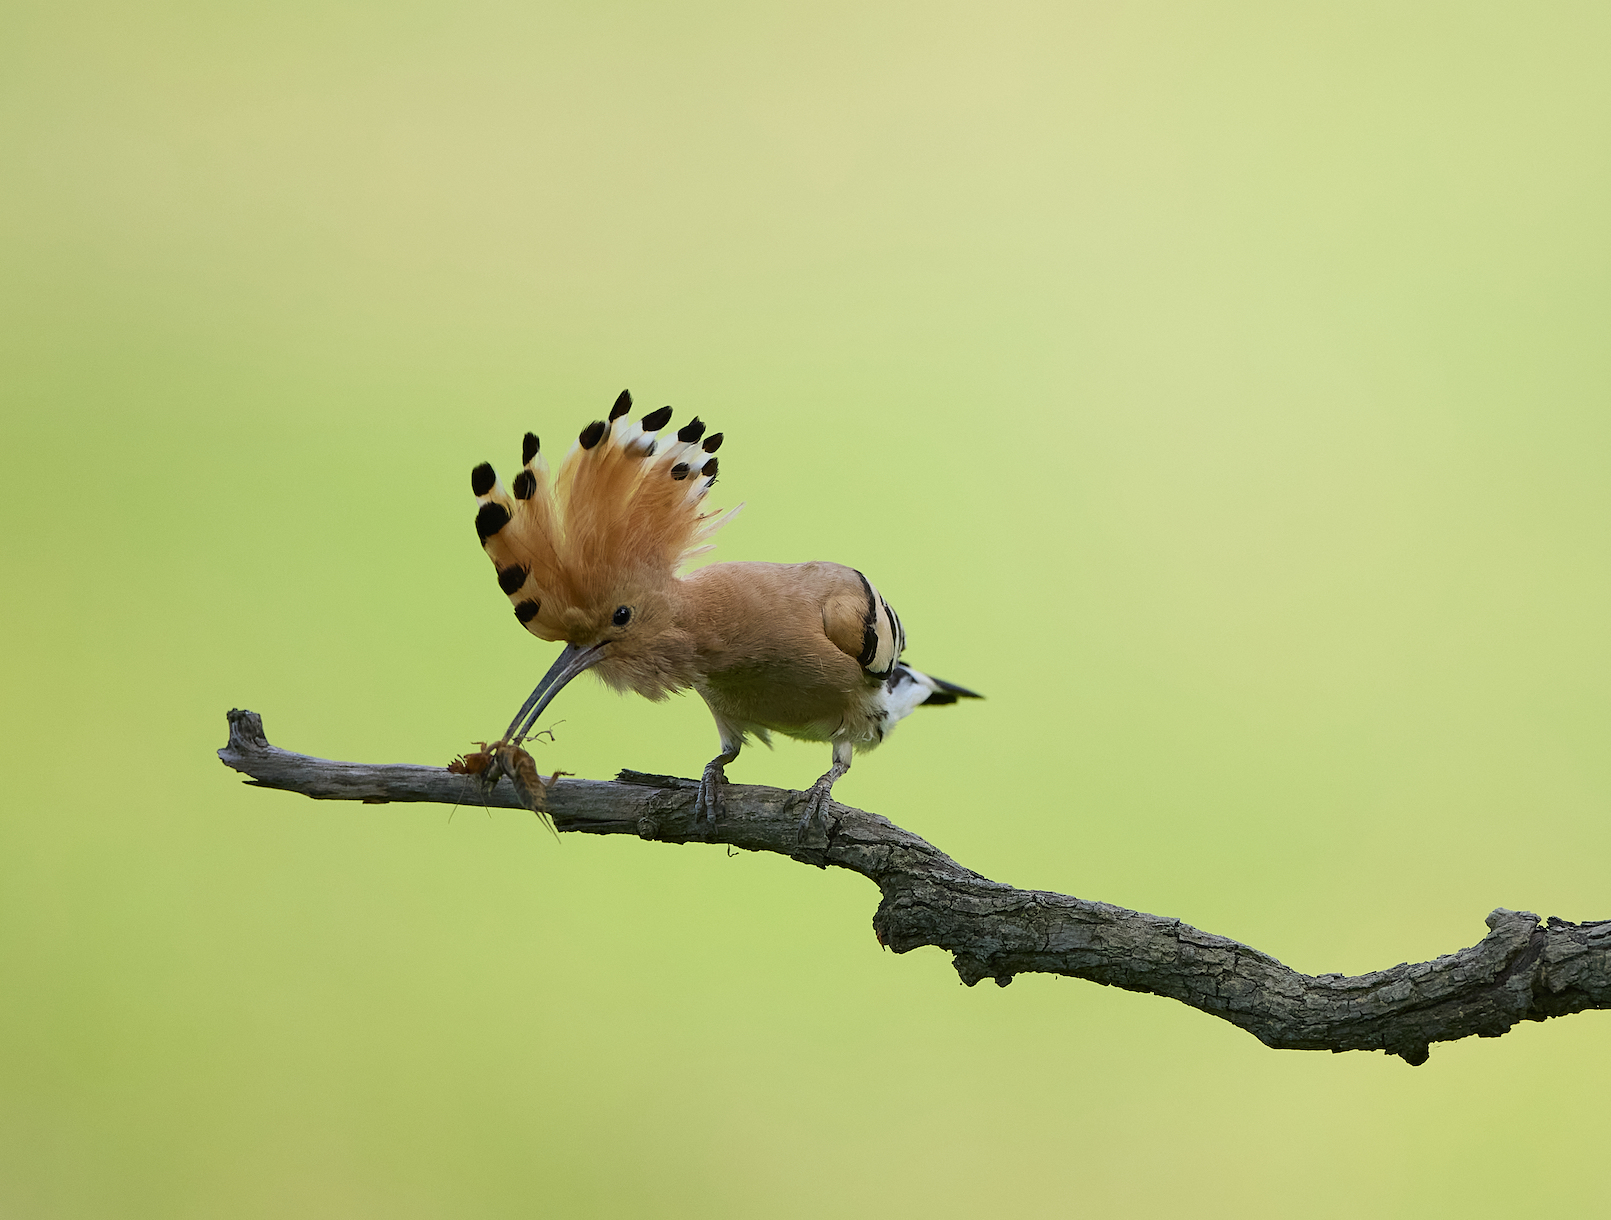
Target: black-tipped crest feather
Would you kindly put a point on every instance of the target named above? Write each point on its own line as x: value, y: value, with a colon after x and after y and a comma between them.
x: 608, y: 517
x: 489, y: 520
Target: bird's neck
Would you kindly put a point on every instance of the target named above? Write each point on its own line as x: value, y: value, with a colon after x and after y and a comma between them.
x: 667, y: 659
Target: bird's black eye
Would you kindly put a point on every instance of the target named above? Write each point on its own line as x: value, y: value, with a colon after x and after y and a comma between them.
x: 623, y: 615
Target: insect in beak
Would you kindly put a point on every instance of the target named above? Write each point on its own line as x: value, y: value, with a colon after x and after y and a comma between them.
x: 572, y: 661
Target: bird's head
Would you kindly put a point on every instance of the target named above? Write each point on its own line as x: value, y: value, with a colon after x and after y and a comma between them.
x: 589, y: 556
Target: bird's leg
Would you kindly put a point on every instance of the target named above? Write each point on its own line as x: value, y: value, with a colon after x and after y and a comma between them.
x: 816, y: 797
x: 708, y: 804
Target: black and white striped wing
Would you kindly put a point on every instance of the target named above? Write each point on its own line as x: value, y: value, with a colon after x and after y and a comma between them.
x: 882, y: 637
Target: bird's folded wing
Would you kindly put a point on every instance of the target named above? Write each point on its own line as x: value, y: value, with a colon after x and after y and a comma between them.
x: 862, y: 624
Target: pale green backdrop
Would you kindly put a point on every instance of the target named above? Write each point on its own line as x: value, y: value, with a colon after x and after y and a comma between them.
x: 1220, y: 388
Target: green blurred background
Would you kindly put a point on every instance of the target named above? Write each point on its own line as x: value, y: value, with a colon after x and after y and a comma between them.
x: 1222, y: 389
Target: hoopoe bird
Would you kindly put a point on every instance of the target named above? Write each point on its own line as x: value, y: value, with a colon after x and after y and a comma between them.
x: 589, y: 555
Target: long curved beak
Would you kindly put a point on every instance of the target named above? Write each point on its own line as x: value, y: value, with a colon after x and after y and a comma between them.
x: 572, y: 661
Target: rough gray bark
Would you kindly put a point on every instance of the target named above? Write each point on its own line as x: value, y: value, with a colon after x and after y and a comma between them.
x: 1523, y: 970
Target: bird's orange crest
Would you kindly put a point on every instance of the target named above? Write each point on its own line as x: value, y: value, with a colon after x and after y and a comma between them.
x: 624, y: 511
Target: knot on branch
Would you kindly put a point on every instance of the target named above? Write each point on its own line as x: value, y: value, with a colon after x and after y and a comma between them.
x: 245, y: 730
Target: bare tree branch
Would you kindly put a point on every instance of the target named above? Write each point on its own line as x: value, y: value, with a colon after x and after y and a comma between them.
x: 1523, y: 970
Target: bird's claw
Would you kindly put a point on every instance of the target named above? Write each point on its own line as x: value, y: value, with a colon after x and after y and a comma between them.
x: 709, y: 805
x: 813, y: 836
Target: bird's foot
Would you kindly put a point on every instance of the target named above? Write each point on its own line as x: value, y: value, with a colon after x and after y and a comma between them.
x: 709, y: 805
x: 814, y: 836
